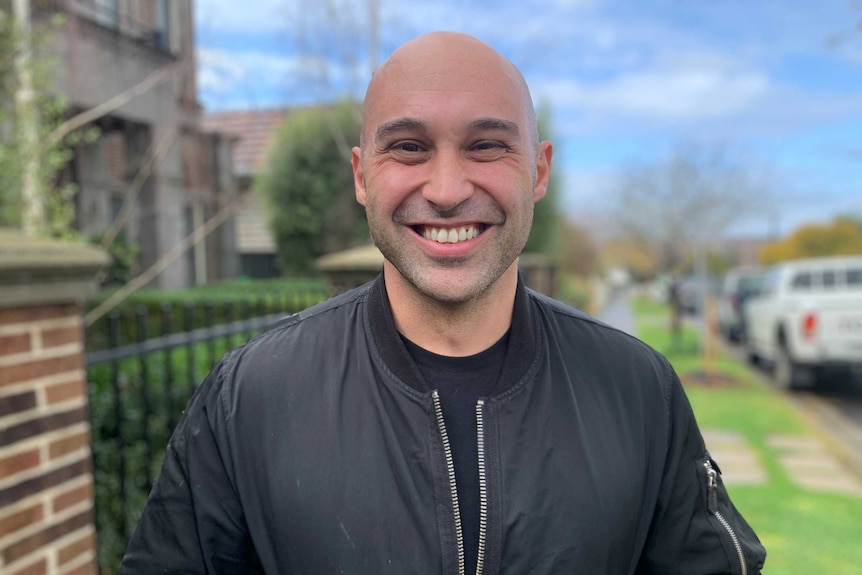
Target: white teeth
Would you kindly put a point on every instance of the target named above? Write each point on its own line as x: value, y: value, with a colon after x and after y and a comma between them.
x: 450, y: 236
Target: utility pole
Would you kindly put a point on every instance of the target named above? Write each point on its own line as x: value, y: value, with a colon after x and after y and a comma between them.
x: 33, y: 210
x: 374, y: 32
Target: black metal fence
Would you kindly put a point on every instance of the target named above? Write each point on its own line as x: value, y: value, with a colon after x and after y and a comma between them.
x: 143, y: 364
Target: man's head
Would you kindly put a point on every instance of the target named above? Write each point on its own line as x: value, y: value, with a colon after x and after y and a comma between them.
x: 454, y: 42
x: 449, y: 166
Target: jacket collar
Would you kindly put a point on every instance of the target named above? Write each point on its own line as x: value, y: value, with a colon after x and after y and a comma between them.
x: 519, y: 356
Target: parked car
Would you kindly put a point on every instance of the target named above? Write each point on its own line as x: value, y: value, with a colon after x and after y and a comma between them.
x: 690, y: 293
x: 738, y: 286
x: 807, y: 319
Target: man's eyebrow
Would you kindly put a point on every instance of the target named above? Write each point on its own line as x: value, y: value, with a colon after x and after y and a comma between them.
x: 386, y: 129
x: 496, y: 124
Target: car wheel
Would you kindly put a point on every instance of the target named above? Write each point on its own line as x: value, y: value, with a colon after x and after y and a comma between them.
x: 750, y: 355
x: 786, y: 373
x: 734, y: 334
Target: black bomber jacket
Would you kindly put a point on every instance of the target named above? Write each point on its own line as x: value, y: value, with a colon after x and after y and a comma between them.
x: 316, y: 448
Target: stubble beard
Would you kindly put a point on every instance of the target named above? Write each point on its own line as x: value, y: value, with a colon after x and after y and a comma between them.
x: 422, y: 273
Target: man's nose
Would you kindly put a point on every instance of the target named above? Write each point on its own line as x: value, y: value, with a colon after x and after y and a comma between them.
x: 448, y: 183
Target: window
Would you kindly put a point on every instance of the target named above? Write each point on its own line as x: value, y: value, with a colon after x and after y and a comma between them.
x: 802, y: 281
x: 259, y: 266
x: 750, y: 285
x: 854, y: 277
x: 162, y: 30
x: 114, y: 145
x: 770, y: 283
x: 829, y: 279
x: 106, y: 12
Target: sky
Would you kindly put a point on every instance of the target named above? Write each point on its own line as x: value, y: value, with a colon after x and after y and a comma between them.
x: 776, y: 84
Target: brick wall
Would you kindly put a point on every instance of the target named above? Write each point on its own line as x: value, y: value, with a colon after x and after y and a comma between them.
x: 46, y: 486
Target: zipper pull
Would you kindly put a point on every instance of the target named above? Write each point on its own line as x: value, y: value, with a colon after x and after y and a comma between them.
x: 712, y: 485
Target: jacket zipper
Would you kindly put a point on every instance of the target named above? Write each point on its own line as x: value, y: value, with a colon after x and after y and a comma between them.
x: 453, y: 488
x: 483, y: 488
x: 712, y: 505
x: 450, y: 468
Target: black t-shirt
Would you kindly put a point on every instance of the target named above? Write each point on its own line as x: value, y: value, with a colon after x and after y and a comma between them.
x: 461, y: 382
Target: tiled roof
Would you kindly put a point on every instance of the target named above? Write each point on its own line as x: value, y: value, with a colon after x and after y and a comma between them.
x: 253, y: 129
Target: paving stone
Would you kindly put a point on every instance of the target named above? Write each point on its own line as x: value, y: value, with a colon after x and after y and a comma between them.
x: 722, y: 437
x: 746, y: 476
x: 844, y: 483
x: 738, y: 461
x: 808, y: 463
x: 794, y: 443
x: 805, y: 459
x: 821, y: 463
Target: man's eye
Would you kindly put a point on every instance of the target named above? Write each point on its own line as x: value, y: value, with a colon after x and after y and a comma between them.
x: 483, y: 146
x: 410, y: 147
x: 487, y: 150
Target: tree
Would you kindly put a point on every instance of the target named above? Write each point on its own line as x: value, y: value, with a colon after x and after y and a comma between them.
x: 38, y: 135
x: 546, y: 215
x: 31, y: 195
x: 685, y: 200
x: 308, y: 186
x: 638, y: 258
x: 842, y: 236
x: 574, y: 249
x: 679, y: 204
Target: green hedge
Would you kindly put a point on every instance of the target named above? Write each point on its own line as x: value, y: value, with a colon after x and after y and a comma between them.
x: 142, y: 439
x: 166, y: 381
x: 221, y: 301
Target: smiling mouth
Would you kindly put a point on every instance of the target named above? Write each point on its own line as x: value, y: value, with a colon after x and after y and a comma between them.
x: 449, y: 235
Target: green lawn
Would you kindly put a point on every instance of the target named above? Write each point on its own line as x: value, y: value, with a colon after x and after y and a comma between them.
x: 644, y: 306
x: 805, y: 532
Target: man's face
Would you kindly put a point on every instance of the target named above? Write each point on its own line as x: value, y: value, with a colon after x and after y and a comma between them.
x: 448, y: 173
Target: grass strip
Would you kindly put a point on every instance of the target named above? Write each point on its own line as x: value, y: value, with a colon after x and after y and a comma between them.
x: 804, y: 531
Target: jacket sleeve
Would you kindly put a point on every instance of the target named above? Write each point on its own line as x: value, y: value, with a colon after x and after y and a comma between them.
x: 696, y: 530
x: 193, y: 522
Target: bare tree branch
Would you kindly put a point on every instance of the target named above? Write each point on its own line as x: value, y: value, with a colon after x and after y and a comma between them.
x: 157, y: 77
x: 144, y: 173
x: 690, y: 197
x: 326, y: 36
x: 197, y: 236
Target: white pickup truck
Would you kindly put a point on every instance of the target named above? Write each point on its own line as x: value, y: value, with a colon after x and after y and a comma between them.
x: 807, y: 320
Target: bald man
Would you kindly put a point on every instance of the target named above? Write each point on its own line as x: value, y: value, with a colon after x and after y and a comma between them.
x: 443, y: 418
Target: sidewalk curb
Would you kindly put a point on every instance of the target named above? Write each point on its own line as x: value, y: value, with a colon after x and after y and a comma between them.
x: 833, y: 429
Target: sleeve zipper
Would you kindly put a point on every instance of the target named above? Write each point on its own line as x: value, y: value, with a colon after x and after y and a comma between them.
x: 712, y: 506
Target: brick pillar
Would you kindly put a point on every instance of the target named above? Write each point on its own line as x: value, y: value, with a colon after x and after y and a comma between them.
x: 46, y: 483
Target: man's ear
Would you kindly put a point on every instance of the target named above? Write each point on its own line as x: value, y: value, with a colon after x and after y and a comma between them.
x: 543, y: 170
x: 358, y: 176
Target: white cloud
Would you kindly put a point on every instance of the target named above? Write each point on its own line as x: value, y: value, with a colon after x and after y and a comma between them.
x: 656, y: 95
x: 255, y: 78
x: 218, y: 70
x: 232, y: 16
x: 666, y: 92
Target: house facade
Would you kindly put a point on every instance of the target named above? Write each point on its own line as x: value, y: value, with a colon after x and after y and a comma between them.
x: 106, y: 48
x: 252, y: 132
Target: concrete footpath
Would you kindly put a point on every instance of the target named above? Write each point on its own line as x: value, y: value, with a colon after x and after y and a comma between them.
x: 805, y: 458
